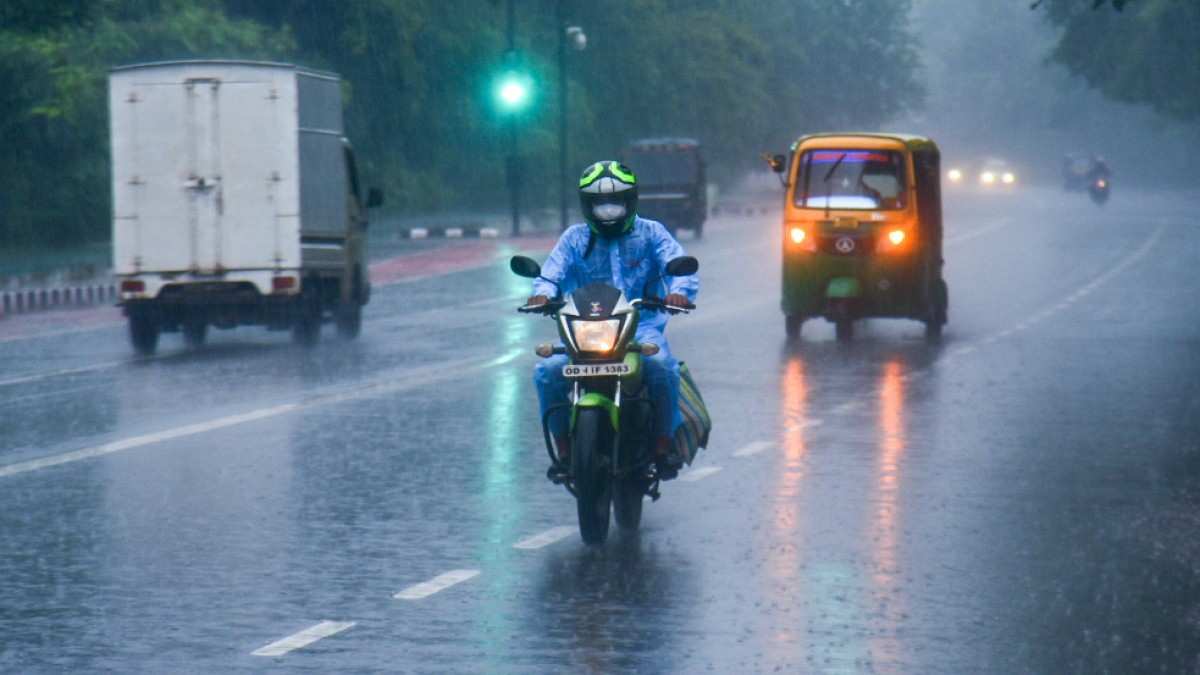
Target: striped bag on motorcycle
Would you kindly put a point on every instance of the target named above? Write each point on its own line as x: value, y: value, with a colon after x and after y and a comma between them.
x: 692, y: 434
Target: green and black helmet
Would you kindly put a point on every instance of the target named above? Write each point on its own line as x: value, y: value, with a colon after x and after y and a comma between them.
x: 608, y: 196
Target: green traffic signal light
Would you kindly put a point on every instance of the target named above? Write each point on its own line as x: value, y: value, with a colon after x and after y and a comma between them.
x: 513, y: 92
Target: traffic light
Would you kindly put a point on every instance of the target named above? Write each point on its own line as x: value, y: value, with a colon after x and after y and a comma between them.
x: 514, y: 90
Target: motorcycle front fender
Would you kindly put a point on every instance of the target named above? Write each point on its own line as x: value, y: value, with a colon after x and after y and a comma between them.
x: 596, y: 400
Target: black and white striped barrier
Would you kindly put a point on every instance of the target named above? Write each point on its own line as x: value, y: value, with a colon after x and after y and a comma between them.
x: 739, y: 210
x: 466, y: 232
x: 34, y: 299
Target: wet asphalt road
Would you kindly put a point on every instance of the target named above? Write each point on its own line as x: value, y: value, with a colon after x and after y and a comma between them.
x: 1020, y: 498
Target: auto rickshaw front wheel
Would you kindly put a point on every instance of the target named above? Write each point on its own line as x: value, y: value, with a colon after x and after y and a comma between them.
x: 791, y: 325
x: 844, y: 329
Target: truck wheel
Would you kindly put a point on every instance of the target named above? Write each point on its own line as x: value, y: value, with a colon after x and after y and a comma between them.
x: 306, y: 331
x: 143, y: 332
x: 194, y: 333
x: 349, y: 321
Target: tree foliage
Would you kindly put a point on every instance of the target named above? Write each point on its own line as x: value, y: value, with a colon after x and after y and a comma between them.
x: 741, y: 75
x: 1135, y: 51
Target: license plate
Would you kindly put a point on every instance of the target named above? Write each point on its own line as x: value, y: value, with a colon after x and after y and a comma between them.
x: 596, y: 370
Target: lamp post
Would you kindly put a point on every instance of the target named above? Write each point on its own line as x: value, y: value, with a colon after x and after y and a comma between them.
x: 578, y: 40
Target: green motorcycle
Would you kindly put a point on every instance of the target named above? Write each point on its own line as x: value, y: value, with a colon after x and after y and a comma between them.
x: 611, y: 415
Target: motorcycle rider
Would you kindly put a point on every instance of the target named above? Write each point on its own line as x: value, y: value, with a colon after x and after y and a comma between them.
x: 617, y: 247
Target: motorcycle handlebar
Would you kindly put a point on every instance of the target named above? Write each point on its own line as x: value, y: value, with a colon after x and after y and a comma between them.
x: 545, y: 308
x: 655, y: 304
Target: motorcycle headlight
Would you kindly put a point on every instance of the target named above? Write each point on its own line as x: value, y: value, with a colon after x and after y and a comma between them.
x: 595, y: 336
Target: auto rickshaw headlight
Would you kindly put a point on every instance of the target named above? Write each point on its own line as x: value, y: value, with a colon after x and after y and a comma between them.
x: 954, y: 175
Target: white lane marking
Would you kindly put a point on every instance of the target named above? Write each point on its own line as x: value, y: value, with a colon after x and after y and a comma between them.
x: 511, y: 356
x: 436, y: 584
x: 543, y: 539
x: 753, y: 448
x: 148, y: 439
x: 304, y: 638
x: 1086, y: 289
x: 699, y: 474
x: 845, y: 407
x: 400, y: 380
x: 967, y: 236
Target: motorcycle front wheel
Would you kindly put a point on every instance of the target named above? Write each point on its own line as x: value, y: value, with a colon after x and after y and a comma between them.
x: 591, y: 443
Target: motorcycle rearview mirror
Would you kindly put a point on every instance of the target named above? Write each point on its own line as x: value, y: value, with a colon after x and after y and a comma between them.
x: 683, y: 266
x: 524, y: 267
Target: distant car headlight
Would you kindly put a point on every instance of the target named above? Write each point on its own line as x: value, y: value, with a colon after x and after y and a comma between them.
x: 1008, y: 178
x: 987, y: 178
x: 595, y: 336
x: 954, y: 175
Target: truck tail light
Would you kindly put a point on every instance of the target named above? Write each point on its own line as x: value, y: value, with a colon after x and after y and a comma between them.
x: 133, y: 286
x: 281, y: 284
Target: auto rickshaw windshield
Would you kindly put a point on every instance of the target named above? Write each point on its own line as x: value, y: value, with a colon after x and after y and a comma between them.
x: 851, y: 179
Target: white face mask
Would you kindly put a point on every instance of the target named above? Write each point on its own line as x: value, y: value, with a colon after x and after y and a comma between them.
x: 607, y: 212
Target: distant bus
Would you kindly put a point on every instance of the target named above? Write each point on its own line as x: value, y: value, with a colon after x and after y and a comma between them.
x: 671, y: 182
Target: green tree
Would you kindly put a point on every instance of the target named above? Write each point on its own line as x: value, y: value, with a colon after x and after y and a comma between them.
x: 1135, y: 51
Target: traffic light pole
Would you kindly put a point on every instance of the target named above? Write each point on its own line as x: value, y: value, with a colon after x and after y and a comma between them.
x: 514, y: 168
x: 562, y: 114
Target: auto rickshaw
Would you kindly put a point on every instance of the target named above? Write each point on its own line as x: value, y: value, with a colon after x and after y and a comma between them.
x: 862, y: 231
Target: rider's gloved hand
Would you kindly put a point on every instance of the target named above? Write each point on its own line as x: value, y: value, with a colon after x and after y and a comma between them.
x: 536, y: 300
x: 677, y: 300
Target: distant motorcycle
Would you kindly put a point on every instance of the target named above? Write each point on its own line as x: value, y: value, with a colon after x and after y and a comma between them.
x: 611, y: 416
x: 1098, y: 189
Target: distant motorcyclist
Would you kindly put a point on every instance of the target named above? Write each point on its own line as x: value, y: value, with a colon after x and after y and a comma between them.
x: 1099, y: 169
x: 616, y: 247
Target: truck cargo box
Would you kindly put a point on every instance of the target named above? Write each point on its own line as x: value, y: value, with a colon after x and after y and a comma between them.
x: 222, y: 165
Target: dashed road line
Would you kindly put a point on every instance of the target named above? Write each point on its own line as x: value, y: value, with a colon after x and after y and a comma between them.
x: 544, y: 539
x: 699, y: 474
x: 753, y: 448
x: 304, y: 638
x: 436, y: 585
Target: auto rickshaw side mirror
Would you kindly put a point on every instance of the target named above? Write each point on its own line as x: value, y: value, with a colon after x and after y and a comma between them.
x: 777, y: 162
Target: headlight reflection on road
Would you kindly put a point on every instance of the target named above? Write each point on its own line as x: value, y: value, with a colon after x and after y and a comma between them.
x: 784, y: 564
x: 885, y: 526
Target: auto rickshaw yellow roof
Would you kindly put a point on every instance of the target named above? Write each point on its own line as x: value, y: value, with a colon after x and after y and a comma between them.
x: 910, y: 141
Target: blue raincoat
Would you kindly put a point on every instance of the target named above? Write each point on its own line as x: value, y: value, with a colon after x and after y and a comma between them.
x: 627, y: 263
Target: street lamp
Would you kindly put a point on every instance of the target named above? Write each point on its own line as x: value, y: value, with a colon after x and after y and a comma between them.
x: 578, y: 40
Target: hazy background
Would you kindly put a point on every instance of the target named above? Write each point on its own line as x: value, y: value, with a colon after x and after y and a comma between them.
x: 983, y: 77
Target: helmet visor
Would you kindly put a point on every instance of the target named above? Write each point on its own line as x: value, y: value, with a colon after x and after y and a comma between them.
x: 609, y: 211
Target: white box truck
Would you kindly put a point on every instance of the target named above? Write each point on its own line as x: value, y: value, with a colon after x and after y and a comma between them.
x: 235, y: 201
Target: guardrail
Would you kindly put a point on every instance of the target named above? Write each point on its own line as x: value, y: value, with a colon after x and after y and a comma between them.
x: 34, y: 299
